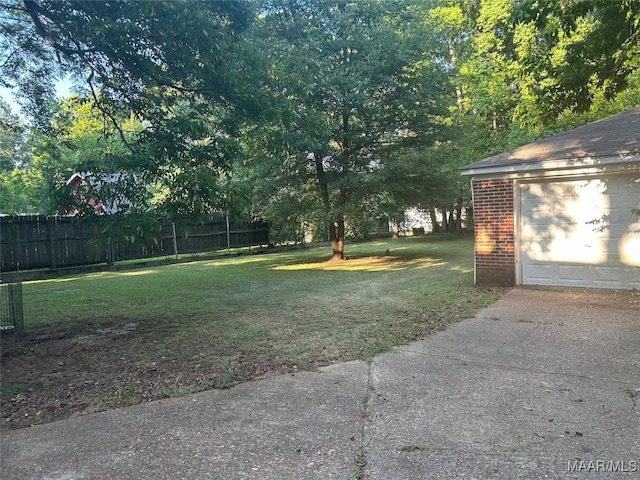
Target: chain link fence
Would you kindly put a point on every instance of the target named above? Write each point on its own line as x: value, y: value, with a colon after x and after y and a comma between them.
x: 11, y: 315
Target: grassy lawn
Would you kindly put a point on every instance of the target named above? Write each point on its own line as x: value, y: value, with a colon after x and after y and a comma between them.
x: 119, y: 338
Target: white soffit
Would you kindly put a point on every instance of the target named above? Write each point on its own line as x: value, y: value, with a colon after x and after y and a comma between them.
x: 554, y: 168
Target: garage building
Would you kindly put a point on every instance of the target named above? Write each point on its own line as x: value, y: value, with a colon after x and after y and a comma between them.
x: 562, y: 211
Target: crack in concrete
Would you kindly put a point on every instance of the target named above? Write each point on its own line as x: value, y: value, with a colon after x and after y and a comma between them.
x: 361, y: 459
x: 633, y: 393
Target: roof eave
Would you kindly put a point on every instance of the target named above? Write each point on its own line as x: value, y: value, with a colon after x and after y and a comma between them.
x: 586, y: 165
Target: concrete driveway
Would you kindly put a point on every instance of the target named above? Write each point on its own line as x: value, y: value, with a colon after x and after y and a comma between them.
x: 542, y: 384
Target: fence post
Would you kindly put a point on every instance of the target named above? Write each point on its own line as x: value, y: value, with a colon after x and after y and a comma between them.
x: 228, y: 236
x: 52, y: 243
x: 175, y: 240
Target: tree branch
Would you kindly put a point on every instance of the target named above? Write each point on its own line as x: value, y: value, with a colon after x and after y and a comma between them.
x: 104, y: 111
x: 35, y: 11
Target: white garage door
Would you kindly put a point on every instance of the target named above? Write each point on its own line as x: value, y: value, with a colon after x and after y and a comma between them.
x: 581, y: 233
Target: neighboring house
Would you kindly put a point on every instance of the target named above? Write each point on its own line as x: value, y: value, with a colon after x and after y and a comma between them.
x: 563, y: 210
x: 87, y: 186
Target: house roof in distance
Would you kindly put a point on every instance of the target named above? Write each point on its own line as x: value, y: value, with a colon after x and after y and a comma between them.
x: 614, y: 139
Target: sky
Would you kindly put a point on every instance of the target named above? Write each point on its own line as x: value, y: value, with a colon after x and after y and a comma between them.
x: 5, y: 94
x: 63, y: 90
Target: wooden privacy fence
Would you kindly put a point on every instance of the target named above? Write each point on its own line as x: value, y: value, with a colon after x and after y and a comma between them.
x: 30, y: 242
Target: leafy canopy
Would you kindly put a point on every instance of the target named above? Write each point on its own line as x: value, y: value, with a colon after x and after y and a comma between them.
x: 168, y: 63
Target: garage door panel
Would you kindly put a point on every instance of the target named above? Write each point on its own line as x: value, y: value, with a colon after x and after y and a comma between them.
x: 633, y: 278
x: 617, y: 219
x: 580, y: 232
x: 607, y: 276
x: 540, y: 274
x: 573, y: 275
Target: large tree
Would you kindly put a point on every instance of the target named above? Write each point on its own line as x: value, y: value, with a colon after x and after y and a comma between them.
x: 169, y: 63
x: 355, y: 80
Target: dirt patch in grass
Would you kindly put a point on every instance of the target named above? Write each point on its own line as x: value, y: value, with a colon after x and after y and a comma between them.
x: 50, y: 375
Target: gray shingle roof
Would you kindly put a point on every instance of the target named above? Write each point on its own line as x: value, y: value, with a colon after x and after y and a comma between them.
x: 617, y: 136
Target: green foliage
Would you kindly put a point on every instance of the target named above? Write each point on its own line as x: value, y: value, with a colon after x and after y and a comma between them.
x: 130, y: 50
x: 131, y: 227
x: 21, y: 191
x: 588, y: 46
x: 526, y: 69
x: 353, y: 82
x: 302, y: 112
x: 167, y: 63
x: 12, y: 133
x: 22, y: 186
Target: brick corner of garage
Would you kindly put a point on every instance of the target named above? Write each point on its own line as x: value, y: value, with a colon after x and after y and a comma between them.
x: 494, y: 216
x: 496, y: 275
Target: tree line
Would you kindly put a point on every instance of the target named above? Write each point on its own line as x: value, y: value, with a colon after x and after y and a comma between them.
x: 312, y: 114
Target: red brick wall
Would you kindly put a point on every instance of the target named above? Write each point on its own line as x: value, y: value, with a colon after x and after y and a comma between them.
x: 493, y: 216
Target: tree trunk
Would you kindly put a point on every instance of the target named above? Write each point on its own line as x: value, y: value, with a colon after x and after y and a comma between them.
x: 445, y: 224
x: 459, y: 209
x: 336, y: 227
x: 396, y: 229
x: 454, y: 63
x: 336, y: 234
x: 435, y: 226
